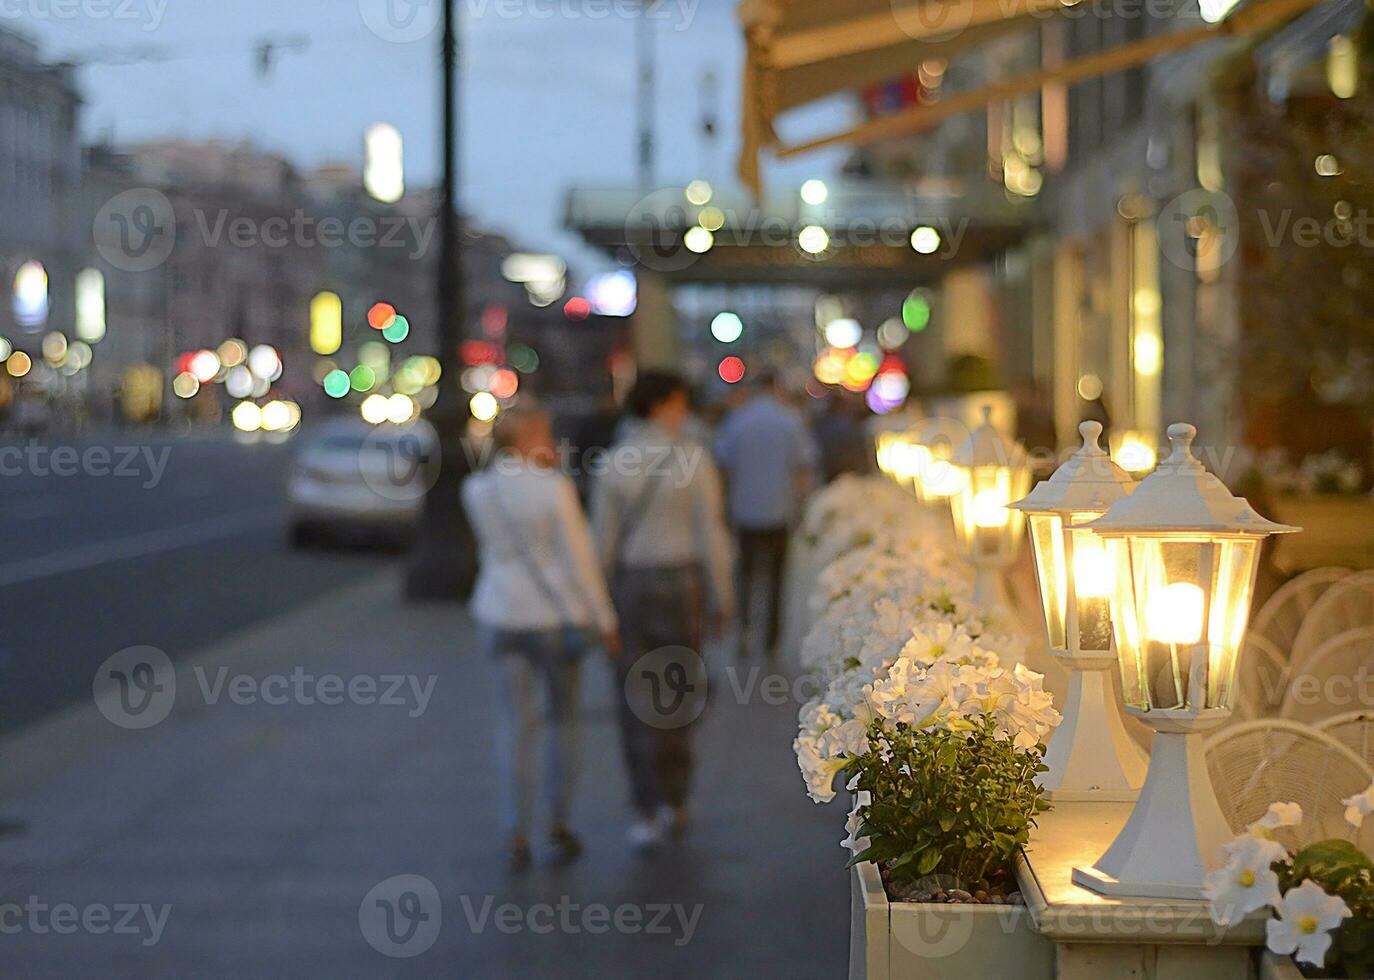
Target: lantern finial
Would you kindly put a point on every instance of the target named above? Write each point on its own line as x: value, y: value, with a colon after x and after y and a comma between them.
x: 1091, y: 431
x: 1181, y: 436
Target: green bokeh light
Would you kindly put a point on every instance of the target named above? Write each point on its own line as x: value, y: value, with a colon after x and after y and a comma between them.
x: 362, y: 378
x: 398, y: 331
x: 337, y: 384
x: 916, y: 312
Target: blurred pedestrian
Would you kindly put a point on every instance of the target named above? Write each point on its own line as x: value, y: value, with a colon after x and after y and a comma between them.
x: 768, y: 458
x: 539, y: 594
x: 661, y: 533
x: 842, y: 438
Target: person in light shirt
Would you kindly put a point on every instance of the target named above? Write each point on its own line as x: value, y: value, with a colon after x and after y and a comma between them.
x: 538, y: 590
x: 769, y: 459
x: 660, y: 530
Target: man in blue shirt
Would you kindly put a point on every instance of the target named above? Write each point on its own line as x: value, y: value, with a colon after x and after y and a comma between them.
x: 767, y: 455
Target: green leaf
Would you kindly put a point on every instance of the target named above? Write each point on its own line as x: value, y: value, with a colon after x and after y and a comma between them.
x: 929, y: 860
x: 1330, y: 859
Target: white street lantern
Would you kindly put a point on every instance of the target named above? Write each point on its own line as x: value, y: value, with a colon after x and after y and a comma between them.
x: 993, y: 473
x: 937, y: 479
x: 1091, y: 756
x: 1184, y: 554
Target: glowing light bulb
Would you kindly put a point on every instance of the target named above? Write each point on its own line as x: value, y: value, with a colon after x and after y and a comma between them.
x: 942, y: 479
x: 989, y: 509
x: 1173, y: 614
x: 1092, y: 568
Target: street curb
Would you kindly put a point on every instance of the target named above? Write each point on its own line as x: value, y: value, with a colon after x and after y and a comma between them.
x: 32, y: 755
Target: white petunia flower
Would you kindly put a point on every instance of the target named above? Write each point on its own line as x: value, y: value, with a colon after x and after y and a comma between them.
x: 1278, y: 815
x: 1359, y: 806
x: 1307, y: 916
x: 857, y: 845
x: 1247, y: 883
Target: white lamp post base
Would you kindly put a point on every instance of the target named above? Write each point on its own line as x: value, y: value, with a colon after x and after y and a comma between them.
x: 1176, y: 832
x: 1091, y: 754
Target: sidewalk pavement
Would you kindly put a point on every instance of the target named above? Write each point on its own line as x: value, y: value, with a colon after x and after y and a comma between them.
x: 238, y: 839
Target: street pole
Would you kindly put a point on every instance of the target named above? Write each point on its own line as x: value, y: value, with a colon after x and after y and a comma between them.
x: 647, y: 82
x: 443, y: 563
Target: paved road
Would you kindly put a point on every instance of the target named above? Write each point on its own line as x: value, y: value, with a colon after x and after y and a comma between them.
x: 125, y: 540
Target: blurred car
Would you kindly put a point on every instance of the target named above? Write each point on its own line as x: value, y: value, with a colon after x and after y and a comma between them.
x: 353, y: 479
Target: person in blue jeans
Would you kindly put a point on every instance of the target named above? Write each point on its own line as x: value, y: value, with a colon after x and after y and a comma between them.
x: 769, y: 459
x: 539, y: 591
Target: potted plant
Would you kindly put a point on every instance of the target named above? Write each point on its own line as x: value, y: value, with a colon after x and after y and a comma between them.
x: 1322, y: 896
x: 942, y: 746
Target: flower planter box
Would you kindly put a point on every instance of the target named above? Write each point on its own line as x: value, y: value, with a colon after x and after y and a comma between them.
x: 1275, y: 967
x: 909, y: 941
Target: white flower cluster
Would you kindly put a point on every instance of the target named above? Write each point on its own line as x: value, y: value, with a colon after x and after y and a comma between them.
x: 1306, y: 914
x: 896, y: 637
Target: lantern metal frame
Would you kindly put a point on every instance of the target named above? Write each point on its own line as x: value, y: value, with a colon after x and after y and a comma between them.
x: 989, y: 465
x: 1176, y: 832
x: 1091, y: 755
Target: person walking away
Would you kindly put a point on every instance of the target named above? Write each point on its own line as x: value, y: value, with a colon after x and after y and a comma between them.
x: 768, y: 458
x: 539, y: 591
x: 660, y: 529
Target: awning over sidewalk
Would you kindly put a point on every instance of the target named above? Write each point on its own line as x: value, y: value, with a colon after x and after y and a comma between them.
x: 800, y: 51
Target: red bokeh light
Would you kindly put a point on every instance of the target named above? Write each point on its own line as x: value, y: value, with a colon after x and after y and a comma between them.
x: 731, y: 370
x: 381, y: 316
x: 482, y: 352
x: 504, y: 384
x: 577, y: 308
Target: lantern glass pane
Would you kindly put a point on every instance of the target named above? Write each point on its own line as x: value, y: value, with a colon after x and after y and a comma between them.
x: 1237, y: 560
x: 1170, y: 580
x: 939, y: 479
x: 985, y: 526
x: 1094, y: 576
x: 1047, y: 541
x: 1126, y: 626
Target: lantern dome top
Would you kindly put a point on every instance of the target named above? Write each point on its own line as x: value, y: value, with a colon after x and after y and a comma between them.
x: 987, y: 447
x: 1088, y: 480
x: 1182, y: 497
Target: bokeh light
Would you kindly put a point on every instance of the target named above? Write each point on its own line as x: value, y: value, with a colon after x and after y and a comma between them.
x: 185, y: 385
x: 18, y: 364
x: 337, y: 384
x: 247, y: 417
x: 484, y: 406
x: 916, y: 311
x: 727, y: 327
x: 731, y: 370
x: 925, y: 240
x: 814, y: 192
x: 362, y: 378
x: 398, y: 330
x: 844, y: 332
x: 698, y: 240
x: 813, y: 239
x: 698, y: 192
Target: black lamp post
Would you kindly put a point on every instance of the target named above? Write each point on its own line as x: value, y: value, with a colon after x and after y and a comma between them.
x: 443, y: 561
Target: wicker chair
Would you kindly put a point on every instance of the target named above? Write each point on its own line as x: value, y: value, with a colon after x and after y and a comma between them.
x: 1260, y: 684
x: 1345, y: 605
x: 1337, y: 678
x: 1279, y: 619
x: 1262, y: 762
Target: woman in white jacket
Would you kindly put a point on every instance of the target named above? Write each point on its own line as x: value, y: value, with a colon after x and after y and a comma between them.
x: 539, y: 590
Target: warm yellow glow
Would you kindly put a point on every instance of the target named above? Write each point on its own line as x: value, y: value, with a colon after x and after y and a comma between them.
x: 942, y: 478
x: 1173, y: 614
x: 813, y: 239
x: 1093, y: 574
x: 247, y: 417
x: 698, y: 192
x: 326, y: 323
x: 484, y: 406
x: 376, y: 407
x: 400, y: 408
x: 990, y: 509
x: 814, y: 192
x: 1343, y: 67
x: 90, y: 305
x: 1133, y: 453
x: 698, y: 240
x: 19, y: 364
